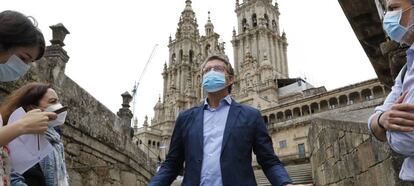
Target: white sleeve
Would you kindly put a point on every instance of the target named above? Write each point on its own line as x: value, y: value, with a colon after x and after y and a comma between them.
x: 401, y: 142
x: 392, y: 97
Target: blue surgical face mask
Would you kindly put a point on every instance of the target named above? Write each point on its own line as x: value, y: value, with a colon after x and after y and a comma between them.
x: 13, y: 69
x: 214, y: 81
x: 392, y: 25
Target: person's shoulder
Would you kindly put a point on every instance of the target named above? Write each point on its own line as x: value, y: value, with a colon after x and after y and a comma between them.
x: 247, y: 108
x: 189, y: 111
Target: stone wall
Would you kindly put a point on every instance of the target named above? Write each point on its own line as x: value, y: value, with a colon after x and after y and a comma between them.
x: 98, y: 143
x: 344, y: 153
x: 97, y: 150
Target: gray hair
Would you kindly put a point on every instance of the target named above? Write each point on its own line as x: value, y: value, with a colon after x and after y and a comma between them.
x: 222, y: 58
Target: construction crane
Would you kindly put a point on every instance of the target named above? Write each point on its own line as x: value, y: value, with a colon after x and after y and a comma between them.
x: 135, y: 89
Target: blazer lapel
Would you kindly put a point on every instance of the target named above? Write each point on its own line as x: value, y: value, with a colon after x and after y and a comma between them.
x: 198, y: 122
x: 231, y: 121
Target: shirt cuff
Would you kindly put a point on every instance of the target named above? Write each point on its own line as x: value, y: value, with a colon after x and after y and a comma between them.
x: 370, y: 119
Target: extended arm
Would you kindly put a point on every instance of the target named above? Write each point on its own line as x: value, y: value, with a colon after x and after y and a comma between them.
x: 266, y: 157
x: 173, y: 163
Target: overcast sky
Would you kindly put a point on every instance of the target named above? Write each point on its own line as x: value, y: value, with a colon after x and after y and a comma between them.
x: 110, y: 42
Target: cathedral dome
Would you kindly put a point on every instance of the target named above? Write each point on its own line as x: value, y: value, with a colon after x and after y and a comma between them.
x: 209, y: 24
x: 159, y: 104
x: 188, y: 6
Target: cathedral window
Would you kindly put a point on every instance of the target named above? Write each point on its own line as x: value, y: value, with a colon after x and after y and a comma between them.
x: 267, y: 20
x: 366, y: 93
x: 282, y: 144
x: 173, y: 58
x: 274, y: 24
x: 207, y: 49
x: 244, y: 24
x: 191, y: 56
x: 254, y: 20
x: 288, y: 114
x: 279, y: 116
x: 181, y: 55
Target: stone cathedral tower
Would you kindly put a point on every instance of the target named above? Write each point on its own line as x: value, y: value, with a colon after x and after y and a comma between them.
x: 182, y: 78
x: 260, y: 52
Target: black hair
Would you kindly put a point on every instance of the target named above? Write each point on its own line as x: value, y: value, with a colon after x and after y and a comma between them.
x: 17, y: 30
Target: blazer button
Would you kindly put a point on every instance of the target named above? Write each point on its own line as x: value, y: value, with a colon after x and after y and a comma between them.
x: 198, y: 161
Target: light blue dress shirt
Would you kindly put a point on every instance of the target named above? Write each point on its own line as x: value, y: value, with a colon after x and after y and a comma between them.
x: 401, y: 142
x: 213, y: 129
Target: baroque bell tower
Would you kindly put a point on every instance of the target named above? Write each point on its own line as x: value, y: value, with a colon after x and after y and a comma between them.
x: 260, y: 52
x: 182, y: 78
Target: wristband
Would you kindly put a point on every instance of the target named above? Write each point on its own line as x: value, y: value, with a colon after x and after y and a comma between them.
x: 378, y: 121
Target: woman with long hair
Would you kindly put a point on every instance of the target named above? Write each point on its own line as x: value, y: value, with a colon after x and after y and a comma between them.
x: 51, y: 171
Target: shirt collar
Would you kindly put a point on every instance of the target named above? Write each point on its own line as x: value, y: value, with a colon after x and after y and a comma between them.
x: 226, y: 100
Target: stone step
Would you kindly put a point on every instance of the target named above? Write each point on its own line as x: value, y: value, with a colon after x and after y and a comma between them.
x: 298, y: 173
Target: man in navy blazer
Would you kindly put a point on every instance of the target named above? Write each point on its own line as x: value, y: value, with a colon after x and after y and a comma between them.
x: 215, y: 139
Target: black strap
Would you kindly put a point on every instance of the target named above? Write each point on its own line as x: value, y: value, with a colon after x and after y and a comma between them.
x: 404, y: 71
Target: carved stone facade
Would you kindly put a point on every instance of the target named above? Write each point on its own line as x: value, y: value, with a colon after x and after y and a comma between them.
x: 289, y: 121
x: 149, y: 141
x: 288, y: 105
x: 260, y: 53
x: 182, y: 78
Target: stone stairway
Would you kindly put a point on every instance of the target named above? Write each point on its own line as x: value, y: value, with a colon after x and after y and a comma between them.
x: 298, y: 173
x: 261, y: 178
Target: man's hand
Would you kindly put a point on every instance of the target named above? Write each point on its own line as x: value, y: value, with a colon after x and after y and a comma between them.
x: 400, y: 117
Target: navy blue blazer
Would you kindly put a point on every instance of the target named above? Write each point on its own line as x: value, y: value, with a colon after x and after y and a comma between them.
x: 245, y: 131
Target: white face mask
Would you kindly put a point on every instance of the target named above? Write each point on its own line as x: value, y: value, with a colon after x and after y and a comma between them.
x: 60, y: 120
x: 13, y: 69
